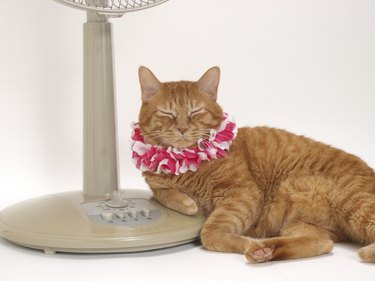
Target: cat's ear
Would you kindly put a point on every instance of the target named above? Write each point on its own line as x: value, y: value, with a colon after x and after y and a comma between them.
x: 209, y: 82
x: 150, y: 85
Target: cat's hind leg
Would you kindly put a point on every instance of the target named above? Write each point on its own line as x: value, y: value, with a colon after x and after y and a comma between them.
x: 297, y: 240
x: 355, y: 212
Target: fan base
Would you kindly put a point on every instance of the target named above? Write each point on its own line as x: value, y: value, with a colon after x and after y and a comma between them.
x: 63, y: 223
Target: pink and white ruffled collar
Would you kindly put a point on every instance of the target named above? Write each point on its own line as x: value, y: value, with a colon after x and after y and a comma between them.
x: 175, y: 161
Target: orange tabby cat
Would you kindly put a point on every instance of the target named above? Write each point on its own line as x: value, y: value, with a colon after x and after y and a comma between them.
x: 276, y: 196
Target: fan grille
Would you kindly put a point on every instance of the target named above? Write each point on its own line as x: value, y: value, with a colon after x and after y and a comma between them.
x: 111, y: 6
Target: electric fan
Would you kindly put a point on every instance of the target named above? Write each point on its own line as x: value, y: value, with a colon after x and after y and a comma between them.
x: 102, y: 218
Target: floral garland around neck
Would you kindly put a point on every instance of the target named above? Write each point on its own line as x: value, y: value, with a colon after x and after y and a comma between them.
x: 176, y: 161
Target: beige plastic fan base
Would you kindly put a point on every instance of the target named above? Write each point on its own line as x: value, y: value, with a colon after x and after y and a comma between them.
x: 58, y: 223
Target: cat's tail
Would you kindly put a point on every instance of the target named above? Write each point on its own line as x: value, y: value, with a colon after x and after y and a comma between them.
x: 367, y: 253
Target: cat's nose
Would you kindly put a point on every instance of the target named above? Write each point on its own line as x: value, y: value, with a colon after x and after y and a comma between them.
x: 182, y: 130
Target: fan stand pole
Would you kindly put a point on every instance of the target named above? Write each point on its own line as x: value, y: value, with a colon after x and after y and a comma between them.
x: 100, y: 163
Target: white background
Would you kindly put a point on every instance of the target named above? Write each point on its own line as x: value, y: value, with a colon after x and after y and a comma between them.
x: 303, y: 65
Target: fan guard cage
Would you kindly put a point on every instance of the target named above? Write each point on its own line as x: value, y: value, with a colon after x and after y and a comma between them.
x: 111, y: 6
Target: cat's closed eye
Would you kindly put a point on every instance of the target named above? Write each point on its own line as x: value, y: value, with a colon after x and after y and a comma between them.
x: 168, y: 114
x: 196, y: 111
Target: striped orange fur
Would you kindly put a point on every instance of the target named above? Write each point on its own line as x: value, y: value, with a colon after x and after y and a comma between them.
x: 276, y: 196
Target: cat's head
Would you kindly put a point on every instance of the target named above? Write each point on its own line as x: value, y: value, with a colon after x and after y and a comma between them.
x: 179, y: 113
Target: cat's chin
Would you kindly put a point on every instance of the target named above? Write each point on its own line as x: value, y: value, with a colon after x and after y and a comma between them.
x: 181, y: 144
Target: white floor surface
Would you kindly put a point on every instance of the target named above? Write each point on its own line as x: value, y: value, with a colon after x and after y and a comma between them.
x: 186, y: 262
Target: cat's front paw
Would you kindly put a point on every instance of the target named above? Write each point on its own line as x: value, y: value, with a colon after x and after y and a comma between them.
x: 188, y: 206
x: 176, y: 200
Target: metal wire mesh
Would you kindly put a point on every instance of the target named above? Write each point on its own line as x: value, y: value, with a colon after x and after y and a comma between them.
x: 112, y: 6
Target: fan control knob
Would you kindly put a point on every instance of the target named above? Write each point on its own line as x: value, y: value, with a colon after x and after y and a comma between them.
x: 145, y: 212
x: 107, y: 216
x: 121, y: 216
x: 133, y: 214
